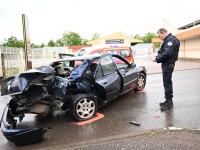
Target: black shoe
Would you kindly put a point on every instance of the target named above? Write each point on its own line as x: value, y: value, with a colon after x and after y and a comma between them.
x: 161, y: 104
x: 168, y: 104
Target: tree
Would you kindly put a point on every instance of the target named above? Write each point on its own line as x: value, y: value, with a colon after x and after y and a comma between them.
x: 95, y: 36
x: 14, y: 42
x: 59, y: 43
x: 71, y: 38
x: 42, y: 45
x: 51, y: 43
x: 148, y: 36
x: 137, y: 36
x: 34, y: 46
x: 84, y: 41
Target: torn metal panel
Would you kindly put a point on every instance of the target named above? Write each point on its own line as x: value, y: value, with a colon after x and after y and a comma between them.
x: 17, y: 83
x: 33, y: 94
x: 58, y: 87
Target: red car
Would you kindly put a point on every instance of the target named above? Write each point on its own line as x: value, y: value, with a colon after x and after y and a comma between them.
x: 125, y: 52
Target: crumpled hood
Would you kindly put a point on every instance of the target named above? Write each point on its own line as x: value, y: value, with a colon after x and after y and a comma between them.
x: 16, y: 84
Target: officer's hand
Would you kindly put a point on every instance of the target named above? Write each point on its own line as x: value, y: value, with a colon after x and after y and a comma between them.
x: 159, y: 52
x: 153, y: 59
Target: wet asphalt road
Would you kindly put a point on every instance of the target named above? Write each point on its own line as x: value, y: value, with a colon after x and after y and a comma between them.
x: 142, y: 107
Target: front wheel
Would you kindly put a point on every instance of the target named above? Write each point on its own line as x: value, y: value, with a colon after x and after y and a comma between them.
x: 83, y: 107
x: 141, y: 82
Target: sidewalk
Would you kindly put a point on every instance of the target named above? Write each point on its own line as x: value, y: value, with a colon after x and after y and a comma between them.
x: 160, y: 139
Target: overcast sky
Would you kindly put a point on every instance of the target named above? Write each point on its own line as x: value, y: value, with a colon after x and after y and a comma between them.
x: 49, y: 19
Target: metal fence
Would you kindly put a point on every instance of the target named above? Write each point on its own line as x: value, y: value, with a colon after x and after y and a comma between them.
x: 12, y: 61
x: 44, y: 56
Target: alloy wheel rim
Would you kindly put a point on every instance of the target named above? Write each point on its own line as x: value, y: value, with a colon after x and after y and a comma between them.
x: 85, y: 108
x: 141, y: 82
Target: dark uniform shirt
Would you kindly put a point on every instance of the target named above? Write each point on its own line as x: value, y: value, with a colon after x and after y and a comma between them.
x: 169, y: 50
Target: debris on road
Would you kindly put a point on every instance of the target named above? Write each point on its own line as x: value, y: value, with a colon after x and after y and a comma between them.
x: 135, y: 123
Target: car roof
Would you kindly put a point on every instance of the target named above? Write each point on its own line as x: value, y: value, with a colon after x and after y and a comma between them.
x: 87, y: 57
x: 79, y: 58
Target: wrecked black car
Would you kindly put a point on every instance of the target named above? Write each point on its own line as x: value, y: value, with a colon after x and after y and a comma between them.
x: 79, y: 85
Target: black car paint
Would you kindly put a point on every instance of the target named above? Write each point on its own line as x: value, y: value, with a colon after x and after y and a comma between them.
x: 16, y: 84
x: 41, y: 80
x: 20, y: 136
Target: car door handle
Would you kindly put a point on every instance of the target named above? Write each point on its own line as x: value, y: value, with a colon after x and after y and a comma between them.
x: 104, y: 82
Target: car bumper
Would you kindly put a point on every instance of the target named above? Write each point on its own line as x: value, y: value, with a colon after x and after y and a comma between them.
x: 20, y: 136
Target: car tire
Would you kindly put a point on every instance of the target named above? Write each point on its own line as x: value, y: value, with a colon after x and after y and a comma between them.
x: 141, y: 82
x: 83, y: 107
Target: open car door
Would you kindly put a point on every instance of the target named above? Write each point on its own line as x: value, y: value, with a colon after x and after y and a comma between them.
x: 108, y: 77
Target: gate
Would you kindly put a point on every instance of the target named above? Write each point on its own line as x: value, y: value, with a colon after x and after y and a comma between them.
x: 12, y: 61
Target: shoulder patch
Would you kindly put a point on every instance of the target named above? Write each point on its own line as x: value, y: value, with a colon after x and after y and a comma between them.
x: 169, y: 43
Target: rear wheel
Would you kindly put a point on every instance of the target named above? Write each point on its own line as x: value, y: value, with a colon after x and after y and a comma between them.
x: 83, y: 107
x: 141, y: 82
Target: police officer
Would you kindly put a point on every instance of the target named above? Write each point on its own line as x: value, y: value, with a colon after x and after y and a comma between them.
x: 167, y: 55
